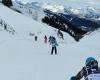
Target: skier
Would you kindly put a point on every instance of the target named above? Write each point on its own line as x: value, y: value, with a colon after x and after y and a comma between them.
x: 45, y: 39
x: 1, y: 22
x: 60, y: 34
x: 35, y: 38
x: 5, y: 26
x: 53, y: 42
x: 90, y: 72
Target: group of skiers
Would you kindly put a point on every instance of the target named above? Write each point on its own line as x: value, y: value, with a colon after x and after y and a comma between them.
x: 91, y: 70
x: 53, y: 42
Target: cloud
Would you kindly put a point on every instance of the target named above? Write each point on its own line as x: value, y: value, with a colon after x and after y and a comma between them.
x: 73, y: 3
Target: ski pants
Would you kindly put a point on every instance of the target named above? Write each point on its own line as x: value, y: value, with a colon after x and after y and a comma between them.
x: 54, y: 49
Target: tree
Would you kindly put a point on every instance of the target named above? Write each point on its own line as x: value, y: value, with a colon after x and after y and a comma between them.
x: 7, y: 2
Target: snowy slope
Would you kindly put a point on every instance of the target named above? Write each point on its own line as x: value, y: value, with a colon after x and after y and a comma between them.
x: 21, y: 58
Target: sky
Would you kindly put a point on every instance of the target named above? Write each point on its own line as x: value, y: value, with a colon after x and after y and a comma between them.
x: 72, y: 3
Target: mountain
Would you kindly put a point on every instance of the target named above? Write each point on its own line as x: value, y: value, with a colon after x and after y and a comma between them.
x: 21, y: 58
x: 87, y: 11
x: 75, y: 26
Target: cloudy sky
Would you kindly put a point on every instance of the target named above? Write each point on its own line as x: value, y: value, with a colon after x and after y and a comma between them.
x: 72, y: 3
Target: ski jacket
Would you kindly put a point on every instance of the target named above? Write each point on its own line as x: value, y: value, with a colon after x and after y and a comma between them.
x: 85, y: 71
x: 54, y: 44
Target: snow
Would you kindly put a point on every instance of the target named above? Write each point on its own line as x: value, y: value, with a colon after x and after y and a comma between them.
x: 22, y: 58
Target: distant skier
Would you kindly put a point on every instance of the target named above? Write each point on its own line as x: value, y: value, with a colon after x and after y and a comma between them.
x: 45, y: 39
x: 5, y: 26
x: 35, y: 38
x: 90, y: 72
x: 1, y: 22
x: 54, y: 44
x: 60, y: 34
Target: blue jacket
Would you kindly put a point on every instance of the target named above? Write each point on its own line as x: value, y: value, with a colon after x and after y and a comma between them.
x: 53, y: 43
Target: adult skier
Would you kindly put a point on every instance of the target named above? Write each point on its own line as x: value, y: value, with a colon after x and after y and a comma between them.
x: 90, y: 71
x: 54, y: 44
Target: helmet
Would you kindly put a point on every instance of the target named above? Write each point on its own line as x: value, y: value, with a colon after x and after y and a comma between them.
x: 89, y: 60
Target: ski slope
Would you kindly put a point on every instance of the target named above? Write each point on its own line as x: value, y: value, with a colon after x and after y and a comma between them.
x: 21, y: 58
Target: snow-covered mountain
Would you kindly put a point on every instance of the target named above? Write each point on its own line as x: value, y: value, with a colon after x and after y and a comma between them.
x: 36, y: 8
x: 87, y: 12
x: 21, y: 58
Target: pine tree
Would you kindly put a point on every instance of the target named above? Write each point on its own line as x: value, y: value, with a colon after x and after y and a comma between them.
x: 7, y: 2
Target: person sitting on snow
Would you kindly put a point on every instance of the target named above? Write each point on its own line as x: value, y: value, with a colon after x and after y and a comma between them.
x: 90, y: 72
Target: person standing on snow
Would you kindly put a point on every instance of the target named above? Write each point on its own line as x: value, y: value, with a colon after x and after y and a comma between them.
x: 90, y: 72
x: 54, y: 44
x: 5, y: 26
x: 35, y: 38
x: 45, y: 39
